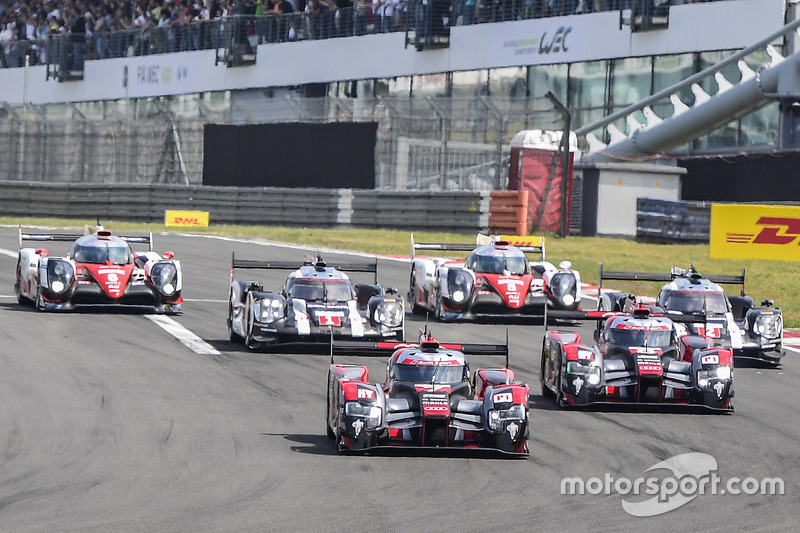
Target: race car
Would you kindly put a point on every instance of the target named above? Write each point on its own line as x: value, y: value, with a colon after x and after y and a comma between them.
x: 99, y: 269
x: 495, y: 281
x: 641, y: 358
x: 317, y: 302
x: 427, y: 401
x: 731, y: 321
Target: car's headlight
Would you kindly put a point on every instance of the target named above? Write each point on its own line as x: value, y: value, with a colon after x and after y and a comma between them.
x: 164, y: 276
x: 389, y: 313
x: 563, y: 287
x: 370, y: 413
x: 59, y: 275
x: 704, y: 377
x: 768, y: 326
x: 497, y: 417
x: 267, y: 310
x: 460, y: 286
x: 590, y: 372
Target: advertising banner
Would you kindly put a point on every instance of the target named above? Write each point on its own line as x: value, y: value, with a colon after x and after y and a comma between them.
x: 753, y: 231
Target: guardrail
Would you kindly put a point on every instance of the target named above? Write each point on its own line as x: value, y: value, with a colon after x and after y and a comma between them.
x: 674, y: 222
x: 457, y: 211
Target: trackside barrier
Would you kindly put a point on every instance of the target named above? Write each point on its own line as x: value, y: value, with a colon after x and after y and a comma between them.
x: 670, y: 221
x: 508, y: 212
x: 456, y: 211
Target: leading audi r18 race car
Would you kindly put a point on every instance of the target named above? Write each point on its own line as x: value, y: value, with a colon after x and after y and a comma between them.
x: 99, y: 269
x: 427, y: 401
x: 731, y: 321
x: 317, y: 302
x: 639, y: 358
x: 495, y: 281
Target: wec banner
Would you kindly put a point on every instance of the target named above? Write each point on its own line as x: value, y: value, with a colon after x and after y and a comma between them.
x: 185, y: 218
x: 751, y: 231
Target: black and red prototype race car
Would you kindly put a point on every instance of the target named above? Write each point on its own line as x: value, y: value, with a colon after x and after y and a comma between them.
x: 100, y: 269
x: 640, y: 357
x: 495, y: 281
x: 317, y: 302
x: 428, y: 400
x: 731, y: 321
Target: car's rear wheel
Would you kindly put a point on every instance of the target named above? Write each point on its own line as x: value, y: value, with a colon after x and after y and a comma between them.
x: 234, y: 337
x: 21, y: 299
x: 416, y: 309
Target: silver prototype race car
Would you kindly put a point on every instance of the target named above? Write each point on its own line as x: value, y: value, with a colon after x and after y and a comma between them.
x: 318, y: 302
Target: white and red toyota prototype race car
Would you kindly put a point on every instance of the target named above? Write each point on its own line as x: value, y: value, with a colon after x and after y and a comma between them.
x: 100, y: 269
x: 495, y: 281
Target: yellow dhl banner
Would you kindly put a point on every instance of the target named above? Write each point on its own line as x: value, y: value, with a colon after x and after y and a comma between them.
x: 513, y: 240
x: 185, y: 218
x: 748, y: 231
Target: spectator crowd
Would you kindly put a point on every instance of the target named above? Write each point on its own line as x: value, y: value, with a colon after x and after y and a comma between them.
x: 98, y: 29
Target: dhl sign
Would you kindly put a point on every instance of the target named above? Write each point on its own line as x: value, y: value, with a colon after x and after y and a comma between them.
x: 522, y: 240
x: 185, y: 218
x: 740, y: 231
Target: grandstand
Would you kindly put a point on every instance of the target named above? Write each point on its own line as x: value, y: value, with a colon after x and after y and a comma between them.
x: 447, y: 95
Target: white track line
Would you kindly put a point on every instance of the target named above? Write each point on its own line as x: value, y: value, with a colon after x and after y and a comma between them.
x: 9, y: 253
x: 187, y: 338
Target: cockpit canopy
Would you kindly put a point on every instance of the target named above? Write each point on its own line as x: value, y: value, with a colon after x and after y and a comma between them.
x: 490, y: 260
x: 330, y: 290
x: 100, y: 251
x: 700, y: 302
x: 430, y: 373
x: 642, y: 337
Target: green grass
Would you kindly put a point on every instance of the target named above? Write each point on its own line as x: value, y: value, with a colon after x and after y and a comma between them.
x: 777, y: 280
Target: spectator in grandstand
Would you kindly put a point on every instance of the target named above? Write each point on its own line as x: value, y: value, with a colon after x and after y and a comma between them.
x: 8, y: 41
x: 313, y: 18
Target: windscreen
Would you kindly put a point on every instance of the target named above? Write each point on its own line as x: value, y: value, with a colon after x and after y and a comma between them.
x: 100, y: 254
x: 697, y: 302
x: 319, y: 290
x: 498, y: 264
x: 640, y: 337
x: 425, y: 373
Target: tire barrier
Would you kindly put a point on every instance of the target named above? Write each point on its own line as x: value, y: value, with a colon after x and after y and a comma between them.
x: 673, y: 222
x: 458, y: 211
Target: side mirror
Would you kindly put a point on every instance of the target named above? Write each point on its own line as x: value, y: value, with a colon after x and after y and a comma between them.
x: 566, y: 265
x: 767, y: 303
x: 596, y: 335
x: 391, y: 290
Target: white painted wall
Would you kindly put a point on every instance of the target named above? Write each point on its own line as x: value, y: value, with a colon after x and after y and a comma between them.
x: 620, y: 185
x: 724, y: 25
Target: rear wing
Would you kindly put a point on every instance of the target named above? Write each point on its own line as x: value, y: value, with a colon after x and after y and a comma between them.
x: 524, y: 243
x: 255, y: 264
x: 71, y: 237
x: 675, y: 272
x: 386, y: 348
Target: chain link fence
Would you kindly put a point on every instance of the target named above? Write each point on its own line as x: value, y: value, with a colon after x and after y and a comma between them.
x: 425, y: 143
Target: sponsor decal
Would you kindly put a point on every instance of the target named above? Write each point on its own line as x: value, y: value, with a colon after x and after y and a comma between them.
x: 642, y: 327
x: 672, y: 483
x: 585, y: 355
x: 185, y: 218
x: 512, y: 429
x: 503, y: 397
x: 358, y: 425
x: 710, y: 359
x: 435, y: 404
x: 752, y: 231
x: 365, y: 394
x: 649, y: 364
x: 522, y: 240
x: 329, y: 318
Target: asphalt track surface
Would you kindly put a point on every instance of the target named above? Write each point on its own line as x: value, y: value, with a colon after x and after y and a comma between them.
x: 110, y: 423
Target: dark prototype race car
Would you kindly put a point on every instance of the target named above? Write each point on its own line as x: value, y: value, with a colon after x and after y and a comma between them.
x: 639, y: 358
x: 495, y: 281
x: 427, y: 401
x: 99, y: 269
x: 731, y: 321
x: 317, y: 302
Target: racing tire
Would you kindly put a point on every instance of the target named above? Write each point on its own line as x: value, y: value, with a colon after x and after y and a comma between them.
x: 415, y: 308
x: 39, y: 301
x: 546, y: 391
x: 328, y: 430
x: 232, y: 335
x: 22, y: 300
x: 561, y: 401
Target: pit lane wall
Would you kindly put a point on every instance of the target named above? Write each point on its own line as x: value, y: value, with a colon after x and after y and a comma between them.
x: 457, y: 211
